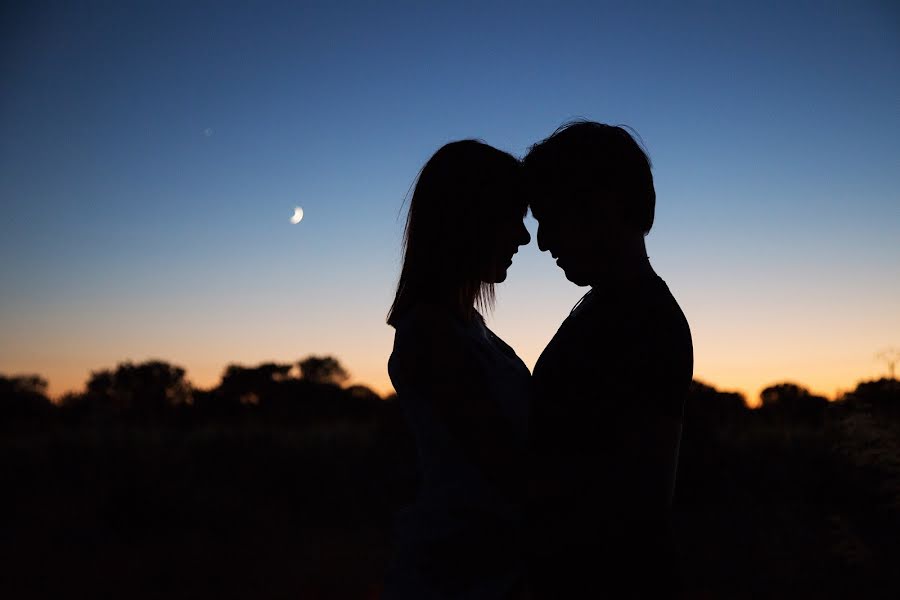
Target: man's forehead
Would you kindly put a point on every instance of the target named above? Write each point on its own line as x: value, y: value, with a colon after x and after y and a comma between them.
x: 556, y: 202
x: 538, y: 209
x: 548, y: 209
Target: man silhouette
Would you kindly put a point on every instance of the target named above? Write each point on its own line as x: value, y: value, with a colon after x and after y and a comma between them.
x: 609, y: 388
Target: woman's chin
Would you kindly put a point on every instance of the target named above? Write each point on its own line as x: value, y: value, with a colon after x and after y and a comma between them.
x: 498, y: 277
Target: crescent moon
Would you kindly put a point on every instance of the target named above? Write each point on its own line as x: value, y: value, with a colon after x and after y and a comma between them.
x: 298, y: 215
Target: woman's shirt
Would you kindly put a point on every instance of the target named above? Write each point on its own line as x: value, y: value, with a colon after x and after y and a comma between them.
x: 437, y: 354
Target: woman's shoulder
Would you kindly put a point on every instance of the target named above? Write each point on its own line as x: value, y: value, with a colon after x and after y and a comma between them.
x: 428, y: 333
x: 426, y: 319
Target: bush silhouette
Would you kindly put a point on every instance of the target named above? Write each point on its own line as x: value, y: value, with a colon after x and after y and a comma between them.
x: 792, y: 403
x: 322, y: 369
x: 24, y: 397
x: 881, y: 396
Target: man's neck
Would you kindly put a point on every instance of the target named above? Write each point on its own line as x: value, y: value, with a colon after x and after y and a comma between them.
x: 632, y: 265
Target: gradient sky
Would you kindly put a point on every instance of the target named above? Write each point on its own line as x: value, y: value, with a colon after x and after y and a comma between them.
x: 151, y: 154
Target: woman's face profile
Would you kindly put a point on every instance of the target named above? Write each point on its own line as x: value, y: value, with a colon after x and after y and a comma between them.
x: 510, y: 234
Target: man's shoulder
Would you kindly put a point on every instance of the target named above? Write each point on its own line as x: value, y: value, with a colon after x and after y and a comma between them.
x: 664, y: 311
x: 578, y: 351
x: 610, y: 328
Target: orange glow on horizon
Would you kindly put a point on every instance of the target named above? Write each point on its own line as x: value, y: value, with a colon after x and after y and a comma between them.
x: 742, y: 342
x: 830, y: 383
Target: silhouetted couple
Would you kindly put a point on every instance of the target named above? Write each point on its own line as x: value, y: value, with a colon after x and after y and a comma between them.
x: 556, y: 484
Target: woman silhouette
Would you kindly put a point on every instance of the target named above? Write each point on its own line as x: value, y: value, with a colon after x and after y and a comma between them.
x: 463, y: 391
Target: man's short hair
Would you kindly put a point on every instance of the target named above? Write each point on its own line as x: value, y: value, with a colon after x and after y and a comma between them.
x: 585, y: 158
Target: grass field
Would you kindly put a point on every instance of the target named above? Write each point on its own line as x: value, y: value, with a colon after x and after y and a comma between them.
x: 762, y: 509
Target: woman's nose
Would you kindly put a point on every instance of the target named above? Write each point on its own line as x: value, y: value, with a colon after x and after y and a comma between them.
x: 524, y: 236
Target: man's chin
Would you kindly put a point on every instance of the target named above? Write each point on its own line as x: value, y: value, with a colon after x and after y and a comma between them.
x: 576, y: 277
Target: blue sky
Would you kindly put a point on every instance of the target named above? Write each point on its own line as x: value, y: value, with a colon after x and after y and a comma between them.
x: 151, y: 154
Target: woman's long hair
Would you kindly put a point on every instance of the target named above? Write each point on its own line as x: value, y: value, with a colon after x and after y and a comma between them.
x: 461, y: 194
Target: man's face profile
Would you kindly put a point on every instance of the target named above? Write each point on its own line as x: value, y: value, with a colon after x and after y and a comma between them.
x: 569, y: 234
x: 582, y: 231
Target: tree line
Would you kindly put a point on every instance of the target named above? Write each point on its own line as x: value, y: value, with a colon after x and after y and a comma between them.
x: 313, y: 390
x: 156, y: 392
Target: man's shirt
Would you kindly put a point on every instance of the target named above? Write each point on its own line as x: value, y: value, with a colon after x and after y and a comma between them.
x: 609, y: 393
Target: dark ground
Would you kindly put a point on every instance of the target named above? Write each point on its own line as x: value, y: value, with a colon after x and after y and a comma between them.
x: 764, y: 508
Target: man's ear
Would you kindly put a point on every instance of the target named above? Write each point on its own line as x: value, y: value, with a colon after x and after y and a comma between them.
x: 611, y: 211
x: 596, y: 211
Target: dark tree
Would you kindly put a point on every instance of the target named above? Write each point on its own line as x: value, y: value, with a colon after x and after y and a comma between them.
x: 361, y: 392
x: 362, y: 403
x: 711, y: 420
x: 144, y: 390
x: 788, y: 395
x: 250, y: 385
x: 713, y: 408
x: 322, y: 369
x: 30, y: 385
x: 881, y: 396
x: 24, y: 396
x: 242, y: 390
x: 791, y: 402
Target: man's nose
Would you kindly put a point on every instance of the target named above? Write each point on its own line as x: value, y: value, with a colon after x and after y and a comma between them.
x: 542, y: 238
